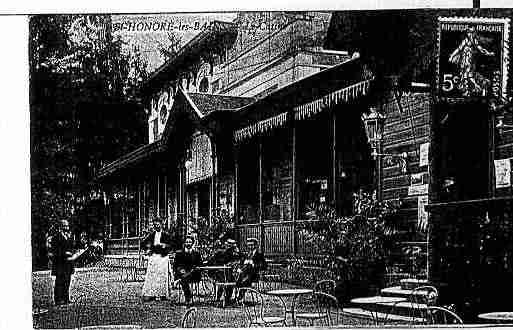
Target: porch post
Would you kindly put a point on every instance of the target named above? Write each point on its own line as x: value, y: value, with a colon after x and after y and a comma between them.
x: 158, y: 194
x: 213, y: 181
x: 235, y: 193
x: 260, y: 193
x: 293, y: 188
x: 165, y: 200
x: 334, y: 159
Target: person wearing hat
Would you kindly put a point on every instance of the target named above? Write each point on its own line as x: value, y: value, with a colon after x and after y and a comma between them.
x: 157, y: 245
x: 185, y: 268
x: 251, y: 264
x: 227, y: 256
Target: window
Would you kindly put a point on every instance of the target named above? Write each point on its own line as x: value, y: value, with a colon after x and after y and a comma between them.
x: 203, y: 85
x: 248, y: 182
x: 155, y: 124
x: 277, y: 176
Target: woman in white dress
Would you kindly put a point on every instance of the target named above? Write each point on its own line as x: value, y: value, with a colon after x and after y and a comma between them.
x: 157, y: 246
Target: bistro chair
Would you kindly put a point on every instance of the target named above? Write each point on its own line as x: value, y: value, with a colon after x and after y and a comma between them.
x: 441, y: 315
x: 325, y: 286
x: 422, y: 298
x: 253, y: 305
x: 189, y: 318
x: 325, y: 309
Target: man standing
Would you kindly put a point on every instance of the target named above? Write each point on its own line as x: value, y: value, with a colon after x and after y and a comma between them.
x: 158, y: 246
x: 185, y: 268
x: 61, y: 255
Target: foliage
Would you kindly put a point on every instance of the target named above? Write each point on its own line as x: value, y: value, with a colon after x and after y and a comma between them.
x: 210, y: 236
x: 356, y: 245
x: 169, y: 47
x: 72, y: 72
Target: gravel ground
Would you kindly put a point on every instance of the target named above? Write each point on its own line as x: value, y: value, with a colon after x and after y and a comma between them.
x: 99, y: 297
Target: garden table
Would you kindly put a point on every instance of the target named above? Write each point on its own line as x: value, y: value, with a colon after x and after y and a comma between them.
x: 499, y: 317
x: 225, y: 269
x: 294, y: 293
x: 371, y: 301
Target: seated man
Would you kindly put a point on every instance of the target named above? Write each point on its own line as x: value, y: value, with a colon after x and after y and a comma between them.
x: 251, y: 264
x: 185, y: 268
x: 227, y: 256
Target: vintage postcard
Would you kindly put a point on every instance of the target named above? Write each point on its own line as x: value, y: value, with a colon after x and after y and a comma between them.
x: 271, y: 168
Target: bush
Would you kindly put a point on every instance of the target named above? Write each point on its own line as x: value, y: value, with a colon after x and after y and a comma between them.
x: 356, y: 247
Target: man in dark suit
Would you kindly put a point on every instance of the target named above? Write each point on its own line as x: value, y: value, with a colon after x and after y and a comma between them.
x: 227, y: 256
x: 61, y: 253
x: 185, y: 268
x: 250, y: 266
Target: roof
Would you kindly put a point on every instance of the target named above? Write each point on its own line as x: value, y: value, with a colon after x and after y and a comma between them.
x: 304, y: 90
x: 212, y: 35
x: 132, y: 157
x: 207, y: 103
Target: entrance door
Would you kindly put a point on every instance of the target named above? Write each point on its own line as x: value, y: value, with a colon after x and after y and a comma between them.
x: 465, y: 152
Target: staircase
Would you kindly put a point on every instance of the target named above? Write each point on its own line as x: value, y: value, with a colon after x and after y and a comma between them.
x: 408, y: 311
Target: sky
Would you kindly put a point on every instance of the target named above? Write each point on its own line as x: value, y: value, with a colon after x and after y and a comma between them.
x: 129, y: 27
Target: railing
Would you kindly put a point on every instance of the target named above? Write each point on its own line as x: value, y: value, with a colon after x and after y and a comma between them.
x: 128, y: 245
x: 278, y: 237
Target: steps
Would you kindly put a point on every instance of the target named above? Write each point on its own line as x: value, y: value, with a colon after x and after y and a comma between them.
x: 412, y: 283
x: 366, y: 314
x: 409, y: 311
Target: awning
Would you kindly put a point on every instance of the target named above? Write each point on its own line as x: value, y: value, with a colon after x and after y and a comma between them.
x: 131, y: 158
x: 305, y: 110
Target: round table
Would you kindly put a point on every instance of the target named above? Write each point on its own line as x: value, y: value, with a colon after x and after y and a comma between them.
x: 225, y: 269
x: 377, y: 300
x: 499, y: 317
x: 290, y: 293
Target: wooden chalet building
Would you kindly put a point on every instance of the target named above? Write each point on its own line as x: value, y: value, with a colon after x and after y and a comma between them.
x: 267, y: 124
x: 257, y: 119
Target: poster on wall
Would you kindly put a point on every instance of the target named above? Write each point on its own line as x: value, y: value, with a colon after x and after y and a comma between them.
x: 424, y: 154
x: 502, y: 173
x: 422, y: 213
x: 472, y: 57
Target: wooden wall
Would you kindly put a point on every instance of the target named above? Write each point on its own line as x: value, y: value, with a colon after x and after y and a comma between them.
x: 406, y: 128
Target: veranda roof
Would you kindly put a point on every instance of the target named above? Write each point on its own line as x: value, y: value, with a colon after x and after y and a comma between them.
x: 304, y: 98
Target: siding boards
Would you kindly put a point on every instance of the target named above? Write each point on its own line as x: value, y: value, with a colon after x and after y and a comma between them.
x: 398, y: 138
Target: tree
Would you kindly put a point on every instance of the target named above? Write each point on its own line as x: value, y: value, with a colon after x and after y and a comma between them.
x: 169, y: 47
x: 75, y: 61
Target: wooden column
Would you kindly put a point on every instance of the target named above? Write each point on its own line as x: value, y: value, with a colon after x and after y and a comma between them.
x: 158, y: 195
x: 213, y: 181
x: 293, y: 188
x: 334, y: 159
x: 235, y: 191
x: 138, y: 230
x: 166, y: 201
x: 260, y: 195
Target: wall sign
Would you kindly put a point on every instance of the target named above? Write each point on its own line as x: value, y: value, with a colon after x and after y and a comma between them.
x: 422, y: 213
x: 424, y: 154
x: 472, y: 57
x: 419, y: 189
x: 502, y: 173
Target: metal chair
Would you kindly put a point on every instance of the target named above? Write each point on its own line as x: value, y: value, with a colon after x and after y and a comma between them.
x: 325, y: 286
x: 422, y: 297
x: 189, y: 318
x: 325, y: 308
x: 441, y: 315
x: 253, y: 307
